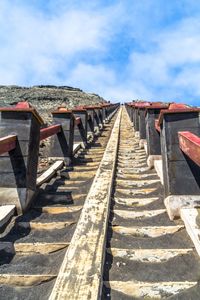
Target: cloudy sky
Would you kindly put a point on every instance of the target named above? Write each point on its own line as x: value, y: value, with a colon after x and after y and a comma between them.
x: 122, y: 50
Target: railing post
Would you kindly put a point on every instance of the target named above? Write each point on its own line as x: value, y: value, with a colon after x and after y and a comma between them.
x: 142, y: 125
x: 130, y: 110
x: 80, y: 133
x: 98, y: 118
x: 62, y: 142
x: 18, y: 167
x: 152, y: 135
x: 141, y: 110
x: 104, y: 113
x: 181, y: 176
x: 132, y: 113
x: 136, y: 120
x: 100, y: 114
x: 91, y: 113
x: 94, y: 112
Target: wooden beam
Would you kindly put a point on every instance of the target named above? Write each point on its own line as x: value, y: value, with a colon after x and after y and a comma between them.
x: 80, y: 275
x: 49, y: 173
x: 7, y: 143
x: 190, y: 145
x: 49, y: 131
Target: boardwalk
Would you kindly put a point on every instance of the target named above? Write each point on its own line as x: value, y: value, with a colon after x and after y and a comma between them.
x: 101, y: 228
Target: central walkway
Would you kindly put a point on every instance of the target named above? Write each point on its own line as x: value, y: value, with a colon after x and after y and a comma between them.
x: 147, y: 255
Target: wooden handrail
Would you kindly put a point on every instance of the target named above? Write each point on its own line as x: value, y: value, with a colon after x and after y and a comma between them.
x: 190, y: 145
x: 49, y: 131
x: 7, y: 143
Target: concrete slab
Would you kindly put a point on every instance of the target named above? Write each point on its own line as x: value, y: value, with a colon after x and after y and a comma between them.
x: 175, y: 203
x: 191, y: 219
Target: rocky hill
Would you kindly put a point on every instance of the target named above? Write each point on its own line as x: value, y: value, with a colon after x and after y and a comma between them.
x: 46, y: 98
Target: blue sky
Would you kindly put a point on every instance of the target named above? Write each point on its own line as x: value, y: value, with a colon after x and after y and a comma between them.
x: 122, y: 50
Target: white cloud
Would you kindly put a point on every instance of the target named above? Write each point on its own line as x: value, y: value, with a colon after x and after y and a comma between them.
x: 34, y: 45
x: 95, y: 76
x: 72, y: 44
x: 172, y: 68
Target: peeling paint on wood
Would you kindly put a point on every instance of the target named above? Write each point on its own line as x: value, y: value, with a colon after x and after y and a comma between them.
x: 135, y: 201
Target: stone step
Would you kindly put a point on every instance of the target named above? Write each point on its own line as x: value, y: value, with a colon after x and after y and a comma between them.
x: 42, y: 248
x: 148, y: 255
x: 45, y: 225
x: 24, y: 280
x: 134, y: 192
x: 149, y: 290
x: 57, y: 209
x: 135, y: 183
x: 129, y: 214
x: 148, y: 231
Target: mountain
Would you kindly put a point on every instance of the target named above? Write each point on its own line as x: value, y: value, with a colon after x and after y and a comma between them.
x: 46, y: 98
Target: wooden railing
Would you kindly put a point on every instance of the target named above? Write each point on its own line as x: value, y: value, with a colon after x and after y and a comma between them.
x: 190, y: 144
x: 49, y: 131
x: 7, y: 143
x: 172, y: 143
x: 22, y: 131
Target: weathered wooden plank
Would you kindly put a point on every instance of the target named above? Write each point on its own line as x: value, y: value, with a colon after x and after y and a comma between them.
x: 25, y: 280
x: 50, y: 172
x: 80, y: 276
x: 49, y: 131
x: 6, y: 213
x: 154, y: 290
x: 76, y: 147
